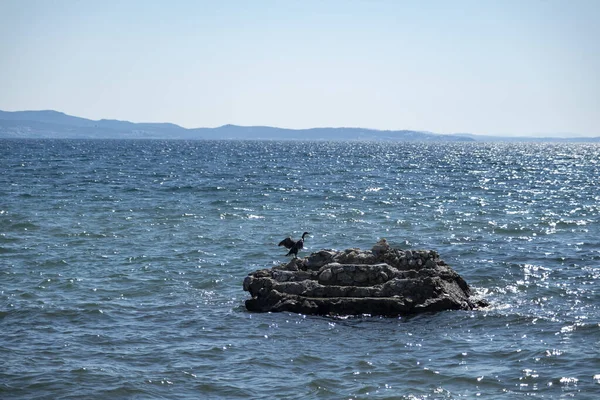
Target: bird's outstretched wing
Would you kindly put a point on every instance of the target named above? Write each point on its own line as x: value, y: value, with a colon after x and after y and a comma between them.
x: 287, y: 242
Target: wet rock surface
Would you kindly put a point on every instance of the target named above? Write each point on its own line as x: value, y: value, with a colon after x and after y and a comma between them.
x: 382, y: 281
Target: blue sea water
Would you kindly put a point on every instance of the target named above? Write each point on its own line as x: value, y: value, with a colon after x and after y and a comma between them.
x: 121, y: 269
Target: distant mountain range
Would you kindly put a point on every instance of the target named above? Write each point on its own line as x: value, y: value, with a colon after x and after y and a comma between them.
x: 49, y: 124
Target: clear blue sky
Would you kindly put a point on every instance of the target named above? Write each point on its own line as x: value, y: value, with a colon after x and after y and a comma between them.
x: 490, y: 67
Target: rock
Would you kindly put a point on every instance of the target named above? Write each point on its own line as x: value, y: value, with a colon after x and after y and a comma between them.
x: 381, y: 281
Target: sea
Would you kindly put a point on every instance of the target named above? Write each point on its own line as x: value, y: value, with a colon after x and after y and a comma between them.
x: 122, y: 262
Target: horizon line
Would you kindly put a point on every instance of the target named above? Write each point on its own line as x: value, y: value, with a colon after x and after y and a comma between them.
x: 555, y: 135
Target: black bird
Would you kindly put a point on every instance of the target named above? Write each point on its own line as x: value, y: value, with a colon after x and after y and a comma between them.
x: 293, y: 245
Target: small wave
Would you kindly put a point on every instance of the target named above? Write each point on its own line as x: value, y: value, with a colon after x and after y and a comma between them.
x: 568, y: 381
x: 6, y: 250
x: 22, y: 226
x: 184, y: 188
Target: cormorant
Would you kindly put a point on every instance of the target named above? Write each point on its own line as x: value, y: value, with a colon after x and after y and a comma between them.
x: 293, y: 245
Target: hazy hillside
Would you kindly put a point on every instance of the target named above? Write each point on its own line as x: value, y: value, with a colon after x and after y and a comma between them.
x: 57, y: 125
x: 54, y: 124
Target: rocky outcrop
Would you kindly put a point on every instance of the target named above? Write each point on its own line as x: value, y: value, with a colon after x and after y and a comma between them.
x: 381, y: 281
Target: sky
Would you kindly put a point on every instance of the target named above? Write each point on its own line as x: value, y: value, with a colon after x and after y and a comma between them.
x: 516, y: 68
